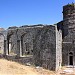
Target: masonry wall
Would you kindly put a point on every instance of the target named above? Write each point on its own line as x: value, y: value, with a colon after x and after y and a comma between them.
x: 45, y: 47
x: 58, y: 46
x: 1, y: 43
x: 24, y: 34
x: 50, y: 46
x: 2, y: 38
x: 69, y: 33
x: 42, y: 42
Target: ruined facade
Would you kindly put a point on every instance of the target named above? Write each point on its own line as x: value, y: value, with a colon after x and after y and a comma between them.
x: 68, y: 43
x: 50, y: 46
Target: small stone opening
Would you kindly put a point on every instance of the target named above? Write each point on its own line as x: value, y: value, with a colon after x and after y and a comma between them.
x: 70, y: 58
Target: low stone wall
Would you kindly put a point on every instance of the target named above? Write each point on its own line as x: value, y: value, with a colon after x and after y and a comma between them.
x: 22, y: 60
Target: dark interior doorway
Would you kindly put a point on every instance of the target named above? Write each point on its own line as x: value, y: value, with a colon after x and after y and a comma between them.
x: 70, y: 58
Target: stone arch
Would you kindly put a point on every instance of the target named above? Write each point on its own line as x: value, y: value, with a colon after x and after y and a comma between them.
x: 22, y: 42
x: 26, y: 44
x: 10, y: 44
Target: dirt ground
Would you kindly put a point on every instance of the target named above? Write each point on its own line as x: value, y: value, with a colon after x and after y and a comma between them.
x: 14, y: 68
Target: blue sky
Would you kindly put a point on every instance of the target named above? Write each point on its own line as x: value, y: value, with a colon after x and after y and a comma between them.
x: 29, y: 12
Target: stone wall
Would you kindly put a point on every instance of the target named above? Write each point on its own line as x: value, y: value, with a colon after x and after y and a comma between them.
x: 41, y: 41
x: 49, y: 46
x: 2, y: 38
x: 1, y: 43
x: 69, y: 33
x: 25, y: 35
x: 45, y: 47
x: 58, y: 45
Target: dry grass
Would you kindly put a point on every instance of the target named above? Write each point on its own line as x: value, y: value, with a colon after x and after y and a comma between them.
x: 14, y: 68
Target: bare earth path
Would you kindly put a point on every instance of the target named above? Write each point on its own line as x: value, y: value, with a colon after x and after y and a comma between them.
x: 14, y: 68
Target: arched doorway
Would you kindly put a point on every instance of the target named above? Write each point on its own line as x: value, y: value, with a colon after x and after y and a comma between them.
x: 70, y: 58
x: 27, y: 44
x: 11, y: 45
x: 24, y: 45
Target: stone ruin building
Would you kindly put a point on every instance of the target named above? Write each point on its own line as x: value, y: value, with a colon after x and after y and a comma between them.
x: 49, y: 46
